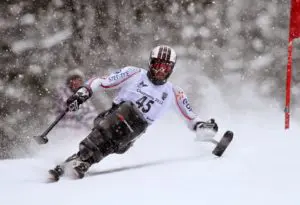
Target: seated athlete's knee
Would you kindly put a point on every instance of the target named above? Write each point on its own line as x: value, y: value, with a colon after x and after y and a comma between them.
x: 100, y: 117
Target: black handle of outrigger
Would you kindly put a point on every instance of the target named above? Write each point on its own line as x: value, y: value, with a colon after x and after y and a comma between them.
x: 42, y: 139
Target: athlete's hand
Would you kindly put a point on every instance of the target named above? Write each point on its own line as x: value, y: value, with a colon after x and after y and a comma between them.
x: 206, y: 130
x: 77, y: 99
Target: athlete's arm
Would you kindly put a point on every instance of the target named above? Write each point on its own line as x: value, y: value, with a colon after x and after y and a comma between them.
x: 204, y: 130
x: 113, y: 81
x: 183, y: 108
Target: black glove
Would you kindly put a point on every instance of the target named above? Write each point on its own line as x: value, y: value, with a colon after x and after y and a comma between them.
x: 210, y: 124
x: 77, y: 99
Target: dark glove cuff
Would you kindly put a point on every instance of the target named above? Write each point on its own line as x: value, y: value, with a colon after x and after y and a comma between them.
x: 196, y: 125
x: 88, y: 88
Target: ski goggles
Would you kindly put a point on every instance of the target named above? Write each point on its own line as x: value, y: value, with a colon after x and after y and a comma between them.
x: 161, y: 70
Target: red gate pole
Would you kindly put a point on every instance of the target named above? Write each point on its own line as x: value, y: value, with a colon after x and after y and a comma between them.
x: 294, y: 32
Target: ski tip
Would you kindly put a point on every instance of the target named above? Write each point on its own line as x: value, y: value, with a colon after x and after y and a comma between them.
x: 53, y: 177
x: 50, y: 180
x: 223, y: 143
x: 228, y: 132
x: 77, y: 174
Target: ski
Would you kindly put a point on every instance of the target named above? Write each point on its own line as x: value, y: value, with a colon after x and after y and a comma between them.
x: 64, y: 171
x: 56, y: 173
x: 53, y: 176
x: 222, y: 145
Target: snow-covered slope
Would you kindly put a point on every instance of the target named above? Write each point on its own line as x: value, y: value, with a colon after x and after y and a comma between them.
x: 166, y: 166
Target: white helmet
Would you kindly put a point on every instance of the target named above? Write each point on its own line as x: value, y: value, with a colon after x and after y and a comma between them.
x: 161, y: 64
